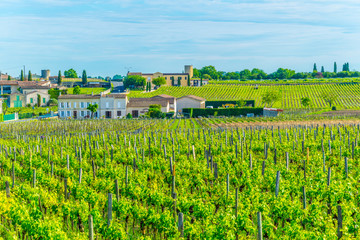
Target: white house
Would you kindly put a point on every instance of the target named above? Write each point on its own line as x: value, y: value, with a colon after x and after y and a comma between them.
x: 113, y: 105
x: 75, y: 106
x: 189, y: 101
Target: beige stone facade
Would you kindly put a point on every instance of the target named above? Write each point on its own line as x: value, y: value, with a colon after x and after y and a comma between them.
x: 172, y: 79
x: 189, y: 101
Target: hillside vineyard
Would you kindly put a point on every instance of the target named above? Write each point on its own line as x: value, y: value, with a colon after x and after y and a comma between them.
x: 348, y: 94
x: 134, y: 179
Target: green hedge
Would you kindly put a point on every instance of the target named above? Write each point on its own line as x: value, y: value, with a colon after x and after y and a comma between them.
x: 204, y: 112
x: 217, y: 104
x: 25, y: 115
x: 1, y: 117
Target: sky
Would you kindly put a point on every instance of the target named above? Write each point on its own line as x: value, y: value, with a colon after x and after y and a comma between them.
x: 111, y: 37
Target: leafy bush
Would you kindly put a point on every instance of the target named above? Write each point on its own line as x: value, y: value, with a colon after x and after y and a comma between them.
x: 197, y: 112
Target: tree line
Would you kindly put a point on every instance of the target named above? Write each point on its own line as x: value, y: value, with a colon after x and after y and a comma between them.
x: 210, y: 72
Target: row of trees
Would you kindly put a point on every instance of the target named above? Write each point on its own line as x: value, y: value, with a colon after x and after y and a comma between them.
x: 209, y: 72
x: 71, y: 73
x: 139, y: 82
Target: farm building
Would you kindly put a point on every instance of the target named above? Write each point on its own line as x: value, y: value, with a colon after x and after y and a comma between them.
x: 190, y: 101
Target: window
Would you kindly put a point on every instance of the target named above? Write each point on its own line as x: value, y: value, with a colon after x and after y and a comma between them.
x: 68, y: 113
x: 82, y: 113
x: 82, y: 105
x: 119, y: 113
x: 119, y: 104
x: 17, y: 98
x: 69, y: 105
x: 31, y: 100
x: 185, y: 78
x: 62, y: 105
x: 74, y: 104
x: 43, y: 100
x: 6, y: 90
x: 107, y: 104
x: 165, y: 78
x: 61, y: 113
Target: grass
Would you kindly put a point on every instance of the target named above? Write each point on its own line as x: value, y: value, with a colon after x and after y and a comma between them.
x: 87, y: 90
x: 36, y: 110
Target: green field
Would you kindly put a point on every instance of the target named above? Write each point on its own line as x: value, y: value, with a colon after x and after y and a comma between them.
x: 137, y: 179
x: 87, y: 90
x: 348, y: 93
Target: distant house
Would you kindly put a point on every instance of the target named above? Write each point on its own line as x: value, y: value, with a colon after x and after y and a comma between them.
x: 8, y: 86
x: 190, y: 101
x: 22, y: 99
x: 140, y: 106
x: 198, y: 82
x: 172, y: 79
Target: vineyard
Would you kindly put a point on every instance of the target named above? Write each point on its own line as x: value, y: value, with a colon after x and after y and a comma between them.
x: 348, y: 94
x: 171, y: 179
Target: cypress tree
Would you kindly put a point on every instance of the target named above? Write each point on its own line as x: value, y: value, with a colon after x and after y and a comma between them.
x: 322, y: 69
x: 59, y: 78
x: 335, y: 67
x: 9, y: 78
x: 22, y: 76
x: 30, y: 76
x: 315, y: 68
x: 84, y: 78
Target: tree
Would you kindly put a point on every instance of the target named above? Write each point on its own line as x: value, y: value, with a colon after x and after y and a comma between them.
x: 315, y: 68
x: 59, y: 78
x: 305, y: 101
x: 329, y: 97
x: 135, y: 82
x: 4, y: 107
x: 84, y: 78
x: 117, y: 77
x: 30, y: 76
x: 283, y: 73
x: 93, y: 109
x: 38, y: 100
x: 322, y: 69
x: 9, y: 78
x: 22, y: 75
x: 53, y: 102
x: 206, y: 76
x: 159, y: 81
x: 244, y: 74
x: 129, y: 116
x: 172, y: 81
x: 270, y: 97
x: 155, y: 111
x: 188, y: 81
x: 241, y: 103
x: 71, y: 73
x: 210, y: 70
x: 77, y: 90
x: 335, y: 67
